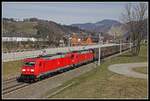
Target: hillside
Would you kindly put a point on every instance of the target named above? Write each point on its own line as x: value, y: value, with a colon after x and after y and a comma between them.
x: 24, y: 28
x: 101, y: 26
x: 29, y: 28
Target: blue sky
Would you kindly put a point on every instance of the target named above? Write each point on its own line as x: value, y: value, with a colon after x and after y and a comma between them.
x: 64, y: 12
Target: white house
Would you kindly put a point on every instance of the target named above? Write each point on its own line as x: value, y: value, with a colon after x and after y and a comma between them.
x: 18, y: 39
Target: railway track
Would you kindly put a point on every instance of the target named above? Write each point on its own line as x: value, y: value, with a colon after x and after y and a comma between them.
x: 9, y: 80
x: 11, y: 85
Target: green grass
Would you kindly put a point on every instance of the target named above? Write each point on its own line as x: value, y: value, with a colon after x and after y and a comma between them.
x: 141, y: 70
x: 11, y: 68
x: 101, y: 83
x: 25, y: 27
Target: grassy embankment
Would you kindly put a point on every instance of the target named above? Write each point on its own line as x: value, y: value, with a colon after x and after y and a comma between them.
x: 101, y: 83
x: 11, y: 68
x: 141, y: 70
x: 98, y: 83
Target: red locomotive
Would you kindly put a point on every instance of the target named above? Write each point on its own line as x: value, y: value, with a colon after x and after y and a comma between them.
x: 39, y: 67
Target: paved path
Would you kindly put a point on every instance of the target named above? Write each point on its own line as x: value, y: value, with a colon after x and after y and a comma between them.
x: 127, y: 69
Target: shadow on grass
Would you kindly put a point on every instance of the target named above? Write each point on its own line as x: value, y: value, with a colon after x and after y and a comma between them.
x: 136, y: 58
x: 130, y: 55
x: 126, y: 55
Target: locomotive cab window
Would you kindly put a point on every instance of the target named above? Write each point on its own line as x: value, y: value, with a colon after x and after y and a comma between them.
x: 29, y: 63
x: 72, y: 56
x: 83, y: 52
x: 40, y: 64
x: 55, y: 57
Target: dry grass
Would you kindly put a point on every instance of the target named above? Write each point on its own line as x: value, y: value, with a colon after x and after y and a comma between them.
x: 141, y: 70
x: 25, y: 27
x: 101, y: 83
x: 98, y: 83
x: 11, y: 68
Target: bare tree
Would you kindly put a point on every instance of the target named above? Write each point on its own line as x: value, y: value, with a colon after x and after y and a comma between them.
x: 134, y: 17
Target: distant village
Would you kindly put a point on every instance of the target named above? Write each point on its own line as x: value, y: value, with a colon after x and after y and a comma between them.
x: 73, y: 40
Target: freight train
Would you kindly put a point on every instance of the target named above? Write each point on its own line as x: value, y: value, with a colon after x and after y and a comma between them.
x: 35, y: 69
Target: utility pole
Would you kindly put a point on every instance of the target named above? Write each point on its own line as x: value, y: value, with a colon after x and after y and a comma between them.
x: 130, y: 43
x: 99, y: 50
x: 114, y: 37
x: 120, y: 46
x: 69, y: 41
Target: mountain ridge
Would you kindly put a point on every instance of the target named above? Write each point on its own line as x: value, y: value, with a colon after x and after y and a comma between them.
x: 99, y: 26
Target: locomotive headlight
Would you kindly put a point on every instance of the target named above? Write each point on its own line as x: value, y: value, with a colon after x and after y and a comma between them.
x: 23, y: 69
x: 32, y: 70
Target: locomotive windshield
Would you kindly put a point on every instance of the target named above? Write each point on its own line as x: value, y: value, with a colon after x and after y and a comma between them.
x: 29, y: 63
x: 56, y: 56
